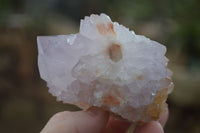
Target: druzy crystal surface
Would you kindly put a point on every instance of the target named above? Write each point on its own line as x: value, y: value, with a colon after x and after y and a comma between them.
x: 108, y: 66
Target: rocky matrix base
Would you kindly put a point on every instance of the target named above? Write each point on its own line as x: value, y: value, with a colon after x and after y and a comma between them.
x: 108, y: 66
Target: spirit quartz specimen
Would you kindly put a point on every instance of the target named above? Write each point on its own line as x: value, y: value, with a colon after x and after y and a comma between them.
x: 108, y: 66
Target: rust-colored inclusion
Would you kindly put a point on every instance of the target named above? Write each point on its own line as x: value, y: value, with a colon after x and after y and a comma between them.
x: 115, y: 52
x: 159, y: 104
x: 111, y: 100
x: 106, y: 28
x: 113, y: 97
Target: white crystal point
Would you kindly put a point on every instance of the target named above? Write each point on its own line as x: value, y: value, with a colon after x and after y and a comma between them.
x: 108, y: 66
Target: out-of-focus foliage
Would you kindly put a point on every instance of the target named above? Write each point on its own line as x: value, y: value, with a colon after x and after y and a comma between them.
x: 26, y: 105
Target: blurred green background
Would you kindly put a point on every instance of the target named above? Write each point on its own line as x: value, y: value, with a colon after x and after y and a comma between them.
x: 26, y: 105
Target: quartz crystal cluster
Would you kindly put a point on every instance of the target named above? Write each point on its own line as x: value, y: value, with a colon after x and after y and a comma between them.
x: 108, y: 66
